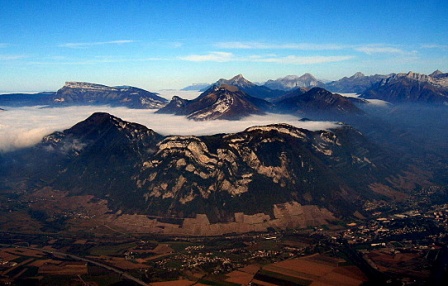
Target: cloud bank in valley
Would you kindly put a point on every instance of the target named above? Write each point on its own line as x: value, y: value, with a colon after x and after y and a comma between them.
x: 26, y: 126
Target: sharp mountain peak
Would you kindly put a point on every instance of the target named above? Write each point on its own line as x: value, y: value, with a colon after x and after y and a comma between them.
x: 238, y: 80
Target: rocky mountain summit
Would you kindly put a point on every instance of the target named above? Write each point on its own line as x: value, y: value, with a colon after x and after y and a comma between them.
x: 250, y: 88
x: 293, y: 82
x: 238, y: 81
x: 440, y: 78
x: 218, y: 102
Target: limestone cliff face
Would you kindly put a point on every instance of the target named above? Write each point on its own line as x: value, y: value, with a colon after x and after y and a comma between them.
x: 251, y: 171
x: 83, y: 93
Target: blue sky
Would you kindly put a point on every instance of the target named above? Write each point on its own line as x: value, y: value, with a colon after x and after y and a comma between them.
x: 171, y: 44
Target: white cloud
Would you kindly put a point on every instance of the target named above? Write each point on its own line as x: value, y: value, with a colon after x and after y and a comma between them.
x: 285, y: 46
x: 210, y: 57
x: 304, y: 60
x: 435, y: 46
x: 90, y: 44
x: 376, y: 102
x: 292, y: 59
x: 60, y: 60
x: 22, y: 127
x: 12, y: 57
x: 379, y: 102
x: 381, y: 49
x: 367, y: 49
x: 175, y: 45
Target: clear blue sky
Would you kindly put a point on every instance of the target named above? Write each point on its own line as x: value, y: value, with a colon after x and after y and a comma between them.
x: 171, y: 44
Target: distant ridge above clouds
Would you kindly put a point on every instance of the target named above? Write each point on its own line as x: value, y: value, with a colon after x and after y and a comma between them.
x: 411, y: 88
x: 83, y: 93
x: 356, y: 83
x: 196, y: 86
x: 290, y: 82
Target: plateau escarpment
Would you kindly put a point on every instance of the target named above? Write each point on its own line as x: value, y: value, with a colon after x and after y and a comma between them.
x: 82, y: 93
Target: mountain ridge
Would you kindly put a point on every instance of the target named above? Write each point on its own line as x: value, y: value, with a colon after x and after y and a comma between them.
x: 317, y: 101
x: 409, y: 88
x: 185, y: 176
x: 356, y: 83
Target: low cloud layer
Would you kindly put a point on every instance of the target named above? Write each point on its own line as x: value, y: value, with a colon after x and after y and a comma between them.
x: 23, y: 127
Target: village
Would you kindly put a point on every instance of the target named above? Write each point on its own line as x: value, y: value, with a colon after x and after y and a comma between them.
x: 402, y: 243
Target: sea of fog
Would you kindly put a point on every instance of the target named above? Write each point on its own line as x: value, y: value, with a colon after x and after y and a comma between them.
x: 26, y: 126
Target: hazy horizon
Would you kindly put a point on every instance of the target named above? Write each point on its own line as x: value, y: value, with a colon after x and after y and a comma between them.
x: 171, y: 44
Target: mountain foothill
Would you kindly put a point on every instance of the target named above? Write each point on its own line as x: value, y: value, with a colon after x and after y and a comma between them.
x: 272, y: 176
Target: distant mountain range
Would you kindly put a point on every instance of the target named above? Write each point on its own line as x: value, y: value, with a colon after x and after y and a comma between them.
x: 396, y: 88
x: 250, y: 87
x: 411, y: 88
x: 274, y: 87
x: 392, y: 87
x: 26, y: 99
x: 357, y: 83
x: 197, y: 86
x: 228, y: 101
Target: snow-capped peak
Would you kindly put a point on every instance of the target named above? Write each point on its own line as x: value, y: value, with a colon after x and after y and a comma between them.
x: 237, y: 80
